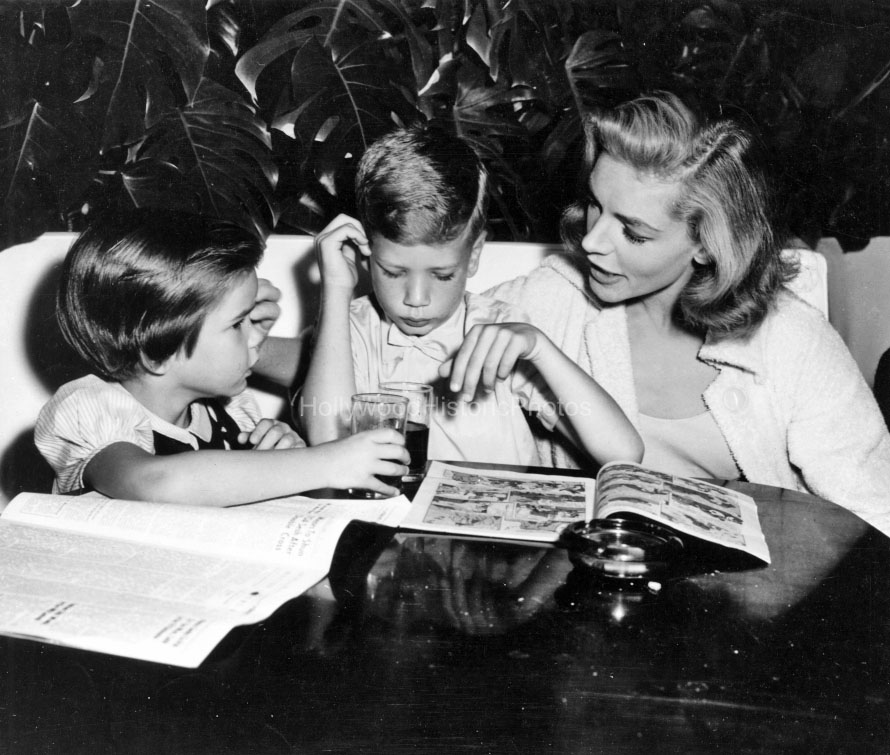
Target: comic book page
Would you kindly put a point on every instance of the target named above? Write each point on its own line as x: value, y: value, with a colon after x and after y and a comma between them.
x: 498, y: 503
x: 685, y: 504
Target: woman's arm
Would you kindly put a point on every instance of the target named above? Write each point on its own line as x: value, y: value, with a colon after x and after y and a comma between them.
x: 279, y: 359
x: 837, y: 437
x: 490, y: 352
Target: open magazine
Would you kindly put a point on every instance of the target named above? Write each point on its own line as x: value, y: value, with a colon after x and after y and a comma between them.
x: 526, y: 506
x: 162, y: 582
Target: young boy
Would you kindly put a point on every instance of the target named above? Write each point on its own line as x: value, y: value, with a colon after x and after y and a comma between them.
x: 159, y: 305
x: 421, y: 198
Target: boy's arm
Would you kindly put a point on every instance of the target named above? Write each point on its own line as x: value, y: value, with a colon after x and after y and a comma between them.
x: 323, y: 404
x: 596, y: 422
x: 223, y: 478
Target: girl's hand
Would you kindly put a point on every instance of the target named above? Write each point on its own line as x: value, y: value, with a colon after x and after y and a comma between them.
x: 339, y: 247
x: 489, y: 353
x: 270, y: 434
x: 265, y: 310
x: 357, y: 460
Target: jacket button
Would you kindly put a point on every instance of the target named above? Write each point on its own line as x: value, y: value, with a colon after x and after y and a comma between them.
x: 735, y: 399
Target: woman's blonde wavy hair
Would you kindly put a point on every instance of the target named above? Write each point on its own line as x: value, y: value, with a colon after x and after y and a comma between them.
x: 725, y: 202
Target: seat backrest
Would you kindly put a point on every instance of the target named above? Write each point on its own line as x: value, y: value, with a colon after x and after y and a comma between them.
x: 36, y: 361
x: 811, y: 283
x: 504, y: 260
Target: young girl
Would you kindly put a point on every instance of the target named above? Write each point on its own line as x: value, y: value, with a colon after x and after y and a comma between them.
x: 159, y: 306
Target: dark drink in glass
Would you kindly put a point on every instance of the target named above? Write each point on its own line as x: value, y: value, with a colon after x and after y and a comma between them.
x: 417, y: 435
x: 417, y: 438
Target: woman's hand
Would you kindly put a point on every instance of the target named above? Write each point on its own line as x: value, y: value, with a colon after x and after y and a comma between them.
x: 489, y: 353
x: 338, y: 248
x: 270, y: 434
x: 266, y: 311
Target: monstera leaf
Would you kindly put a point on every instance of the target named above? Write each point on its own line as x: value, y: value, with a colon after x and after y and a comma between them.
x: 150, y: 48
x: 212, y: 155
x: 346, y: 95
x: 324, y: 21
x: 600, y: 71
x: 48, y: 144
x: 31, y: 148
x: 348, y: 84
x: 484, y: 108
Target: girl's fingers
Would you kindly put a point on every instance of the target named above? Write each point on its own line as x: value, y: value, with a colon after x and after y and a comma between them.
x: 288, y: 440
x: 269, y: 440
x: 271, y: 434
x: 396, y: 453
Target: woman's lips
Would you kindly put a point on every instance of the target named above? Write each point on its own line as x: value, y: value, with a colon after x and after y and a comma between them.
x: 603, y: 276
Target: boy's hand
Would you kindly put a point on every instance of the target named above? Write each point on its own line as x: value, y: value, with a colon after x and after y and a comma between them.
x: 265, y: 310
x: 339, y: 248
x: 359, y: 458
x: 489, y: 353
x: 271, y: 434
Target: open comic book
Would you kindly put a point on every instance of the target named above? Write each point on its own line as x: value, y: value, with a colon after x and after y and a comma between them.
x: 162, y: 582
x: 524, y: 506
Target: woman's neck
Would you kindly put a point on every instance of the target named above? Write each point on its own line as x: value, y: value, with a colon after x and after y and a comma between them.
x: 669, y: 378
x: 654, y: 315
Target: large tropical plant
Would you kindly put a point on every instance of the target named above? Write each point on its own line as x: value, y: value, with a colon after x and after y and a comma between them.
x: 258, y: 111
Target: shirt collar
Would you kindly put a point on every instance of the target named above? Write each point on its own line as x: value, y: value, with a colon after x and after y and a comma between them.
x: 741, y: 353
x: 439, y: 344
x: 199, y: 421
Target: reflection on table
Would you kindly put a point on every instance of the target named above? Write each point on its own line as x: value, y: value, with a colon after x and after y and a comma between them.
x: 430, y: 644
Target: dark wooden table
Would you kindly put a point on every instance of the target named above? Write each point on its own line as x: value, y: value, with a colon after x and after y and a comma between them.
x: 435, y: 645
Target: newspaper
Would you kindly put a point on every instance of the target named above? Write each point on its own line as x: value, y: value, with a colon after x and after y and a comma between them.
x: 162, y: 582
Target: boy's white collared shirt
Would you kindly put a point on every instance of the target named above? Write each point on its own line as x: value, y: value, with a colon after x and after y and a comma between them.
x: 493, y: 429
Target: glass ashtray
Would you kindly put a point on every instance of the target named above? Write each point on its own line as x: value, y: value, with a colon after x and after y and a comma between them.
x: 626, y: 549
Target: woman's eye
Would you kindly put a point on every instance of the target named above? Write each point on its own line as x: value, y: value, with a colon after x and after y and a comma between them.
x: 388, y: 274
x: 632, y: 237
x: 445, y: 278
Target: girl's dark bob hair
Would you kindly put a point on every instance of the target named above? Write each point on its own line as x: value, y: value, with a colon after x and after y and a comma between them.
x: 135, y: 288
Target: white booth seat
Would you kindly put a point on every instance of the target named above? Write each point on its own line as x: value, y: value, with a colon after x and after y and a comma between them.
x: 36, y: 361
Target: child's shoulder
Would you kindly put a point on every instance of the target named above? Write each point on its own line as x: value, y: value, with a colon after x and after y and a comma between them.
x: 89, y: 393
x: 364, y: 309
x: 482, y: 308
x: 88, y: 385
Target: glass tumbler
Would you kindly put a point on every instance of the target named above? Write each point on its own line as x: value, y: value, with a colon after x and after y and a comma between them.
x: 371, y: 411
x: 417, y: 429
